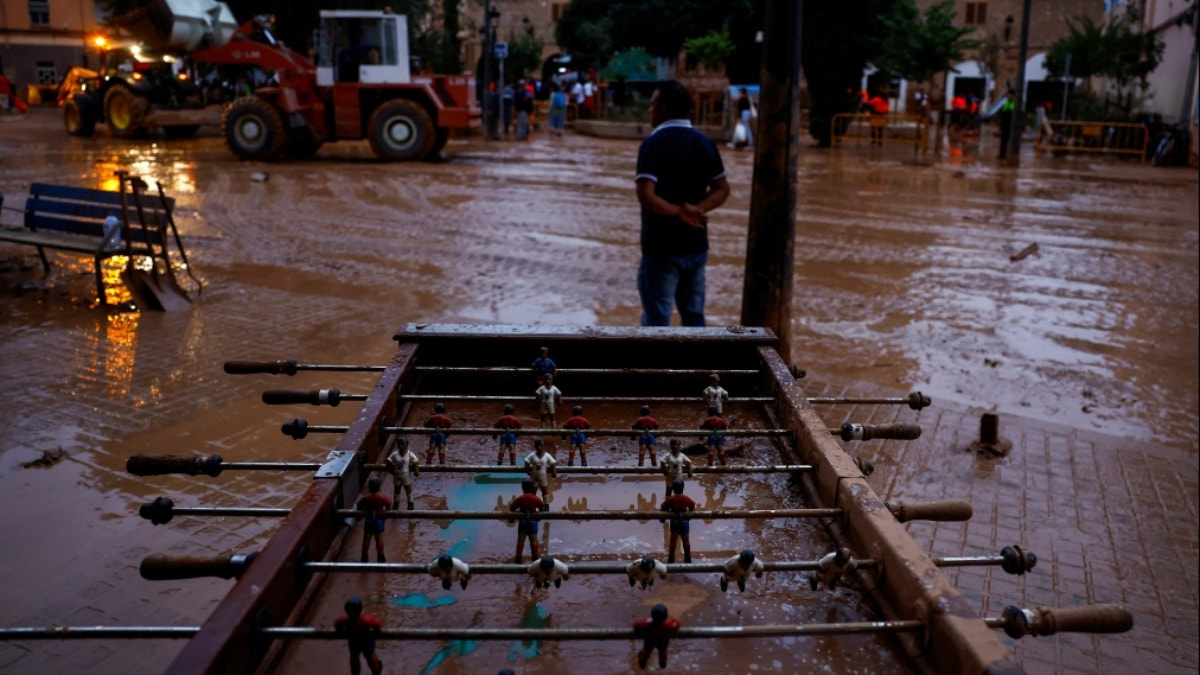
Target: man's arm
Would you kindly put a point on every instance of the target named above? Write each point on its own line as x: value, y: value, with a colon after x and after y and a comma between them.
x: 718, y: 192
x: 689, y: 214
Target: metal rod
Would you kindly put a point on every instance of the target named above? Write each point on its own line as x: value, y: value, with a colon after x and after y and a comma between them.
x: 577, y: 399
x: 778, y: 630
x: 488, y: 431
x: 489, y: 468
x: 506, y: 515
x: 588, y: 371
x: 98, y: 632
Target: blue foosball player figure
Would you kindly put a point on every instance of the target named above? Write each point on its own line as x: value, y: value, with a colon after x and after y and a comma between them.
x: 656, y: 633
x: 543, y: 366
x: 360, y: 629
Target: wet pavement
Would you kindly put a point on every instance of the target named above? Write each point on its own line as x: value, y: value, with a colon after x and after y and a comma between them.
x: 1087, y: 350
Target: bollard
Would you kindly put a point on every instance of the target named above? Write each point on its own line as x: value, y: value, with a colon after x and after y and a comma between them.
x: 989, y: 443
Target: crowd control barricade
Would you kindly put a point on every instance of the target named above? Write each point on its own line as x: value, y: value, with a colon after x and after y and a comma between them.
x: 1113, y: 138
x: 899, y: 128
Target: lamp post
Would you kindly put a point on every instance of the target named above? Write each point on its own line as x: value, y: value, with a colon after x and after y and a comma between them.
x: 489, y: 14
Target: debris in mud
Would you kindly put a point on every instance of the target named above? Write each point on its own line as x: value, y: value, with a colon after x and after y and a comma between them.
x: 1024, y: 253
x: 48, y: 459
x: 991, y: 363
x: 260, y: 177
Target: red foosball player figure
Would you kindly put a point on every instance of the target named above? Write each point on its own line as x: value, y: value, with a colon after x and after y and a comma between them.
x: 831, y: 567
x: 738, y: 568
x: 527, y: 503
x: 405, y: 466
x: 714, y: 394
x: 656, y: 633
x: 360, y: 630
x: 576, y: 425
x: 439, y: 422
x: 508, y: 440
x: 678, y: 505
x: 373, y: 503
x: 646, y: 424
x: 715, y: 440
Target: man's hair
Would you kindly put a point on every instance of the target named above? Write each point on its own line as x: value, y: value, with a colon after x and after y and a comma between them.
x: 675, y: 99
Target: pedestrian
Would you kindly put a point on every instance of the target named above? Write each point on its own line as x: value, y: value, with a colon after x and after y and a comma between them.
x: 830, y: 569
x: 715, y: 440
x: 506, y: 107
x: 680, y: 179
x: 405, y: 466
x: 543, y: 365
x: 678, y: 505
x: 646, y: 425
x: 557, y: 110
x: 714, y: 394
x: 589, y: 98
x: 1007, y: 109
x: 360, y: 629
x: 549, y: 397
x: 508, y: 439
x: 676, y: 464
x: 450, y: 571
x: 738, y: 568
x: 540, y: 466
x: 371, y: 504
x: 656, y: 633
x: 877, y: 117
x: 527, y: 504
x: 548, y: 571
x: 643, y: 570
x: 523, y: 105
x: 745, y: 112
x: 439, y: 422
x: 576, y: 424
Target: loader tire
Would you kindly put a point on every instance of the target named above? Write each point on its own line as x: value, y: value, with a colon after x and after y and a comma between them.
x: 124, y: 111
x: 401, y: 130
x: 253, y: 129
x: 79, y: 116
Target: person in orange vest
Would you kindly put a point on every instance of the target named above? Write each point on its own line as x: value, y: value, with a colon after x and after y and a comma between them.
x: 878, y: 114
x: 958, y: 111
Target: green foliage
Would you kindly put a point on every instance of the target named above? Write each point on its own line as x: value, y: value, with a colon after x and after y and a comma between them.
x: 920, y: 46
x: 585, y: 31
x: 1113, y: 51
x: 633, y: 65
x: 524, y: 56
x: 710, y: 49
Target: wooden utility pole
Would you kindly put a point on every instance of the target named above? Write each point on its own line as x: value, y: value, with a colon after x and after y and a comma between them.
x: 767, y: 293
x: 1018, y: 116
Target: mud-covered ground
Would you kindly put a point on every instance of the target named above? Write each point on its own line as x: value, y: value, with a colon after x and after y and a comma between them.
x: 903, y: 282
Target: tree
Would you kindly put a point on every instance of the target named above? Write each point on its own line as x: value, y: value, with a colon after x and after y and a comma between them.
x: 711, y: 50
x: 1124, y: 57
x: 920, y: 47
x: 525, y: 55
x: 836, y: 45
x: 585, y: 31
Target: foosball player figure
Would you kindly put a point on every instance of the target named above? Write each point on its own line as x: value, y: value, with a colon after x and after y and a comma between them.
x: 656, y: 633
x: 676, y: 464
x: 540, y: 466
x: 405, y: 466
x: 450, y: 570
x: 543, y: 366
x: 439, y: 422
x: 576, y: 425
x: 715, y: 440
x: 527, y: 503
x: 738, y: 568
x: 549, y: 398
x: 508, y: 439
x: 643, y: 570
x: 546, y: 571
x: 646, y: 424
x: 360, y: 630
x: 714, y: 395
x: 831, y: 568
x: 678, y: 505
x: 372, y: 504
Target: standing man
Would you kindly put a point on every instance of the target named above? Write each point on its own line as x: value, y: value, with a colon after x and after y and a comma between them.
x: 523, y: 104
x: 745, y: 110
x: 1006, y: 117
x: 680, y: 179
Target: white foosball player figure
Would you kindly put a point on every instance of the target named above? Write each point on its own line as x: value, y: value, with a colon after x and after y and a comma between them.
x: 675, y: 465
x: 831, y: 568
x: 540, y: 466
x: 644, y: 570
x: 450, y: 570
x: 739, y: 567
x: 405, y: 466
x: 547, y: 570
x: 714, y: 395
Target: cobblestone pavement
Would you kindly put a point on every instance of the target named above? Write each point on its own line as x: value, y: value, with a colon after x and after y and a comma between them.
x: 317, y: 264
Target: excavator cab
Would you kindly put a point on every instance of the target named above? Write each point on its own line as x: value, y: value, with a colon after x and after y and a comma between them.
x: 357, y: 47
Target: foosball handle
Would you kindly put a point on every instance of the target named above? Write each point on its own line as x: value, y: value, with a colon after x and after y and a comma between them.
x: 945, y: 510
x: 1099, y: 618
x: 329, y: 397
x: 866, y: 432
x: 288, y: 367
x: 149, y: 465
x: 161, y: 566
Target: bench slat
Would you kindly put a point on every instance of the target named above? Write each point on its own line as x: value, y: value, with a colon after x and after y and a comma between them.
x: 89, y: 210
x: 106, y: 197
x: 89, y: 228
x: 65, y: 242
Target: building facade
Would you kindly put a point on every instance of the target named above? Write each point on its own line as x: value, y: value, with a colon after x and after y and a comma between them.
x: 41, y: 39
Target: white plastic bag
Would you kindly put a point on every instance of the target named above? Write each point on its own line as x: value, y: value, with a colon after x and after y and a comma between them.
x: 739, y: 134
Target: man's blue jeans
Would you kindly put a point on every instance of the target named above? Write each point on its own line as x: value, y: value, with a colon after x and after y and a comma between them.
x: 663, y: 279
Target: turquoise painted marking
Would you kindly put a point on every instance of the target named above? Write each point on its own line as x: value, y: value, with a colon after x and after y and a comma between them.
x: 454, y: 648
x: 534, y: 617
x: 475, y: 495
x: 422, y: 601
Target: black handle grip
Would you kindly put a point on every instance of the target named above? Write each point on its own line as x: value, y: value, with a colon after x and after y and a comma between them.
x: 288, y: 367
x: 945, y: 510
x: 867, y: 432
x: 149, y: 465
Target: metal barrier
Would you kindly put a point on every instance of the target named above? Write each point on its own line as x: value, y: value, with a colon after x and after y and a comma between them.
x: 1116, y: 138
x: 896, y: 128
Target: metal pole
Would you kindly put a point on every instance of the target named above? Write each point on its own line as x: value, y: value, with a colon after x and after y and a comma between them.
x: 770, y: 245
x: 487, y: 68
x: 1018, y: 118
x: 1066, y: 86
x: 604, y: 633
x: 757, y: 514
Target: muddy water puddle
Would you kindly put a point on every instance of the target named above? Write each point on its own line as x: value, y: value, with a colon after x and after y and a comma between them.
x: 904, y: 280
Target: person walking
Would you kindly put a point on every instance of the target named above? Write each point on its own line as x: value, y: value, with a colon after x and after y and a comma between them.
x: 523, y: 104
x: 557, y: 110
x: 680, y: 179
x: 1007, y: 109
x: 745, y: 112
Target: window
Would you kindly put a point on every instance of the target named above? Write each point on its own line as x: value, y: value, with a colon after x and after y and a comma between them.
x: 47, y: 73
x: 976, y: 13
x: 39, y: 12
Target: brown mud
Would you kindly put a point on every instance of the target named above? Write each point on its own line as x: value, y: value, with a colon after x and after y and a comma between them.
x: 903, y: 282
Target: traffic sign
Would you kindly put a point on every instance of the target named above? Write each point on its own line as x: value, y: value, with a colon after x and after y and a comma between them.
x: 501, y: 50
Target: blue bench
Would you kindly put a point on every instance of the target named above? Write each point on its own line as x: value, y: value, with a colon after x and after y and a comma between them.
x: 72, y: 219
